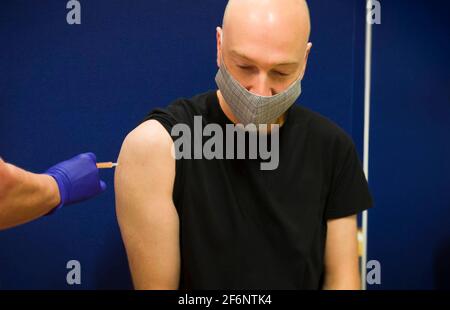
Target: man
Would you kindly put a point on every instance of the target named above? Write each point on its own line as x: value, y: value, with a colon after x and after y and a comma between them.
x: 225, y: 223
x: 25, y: 196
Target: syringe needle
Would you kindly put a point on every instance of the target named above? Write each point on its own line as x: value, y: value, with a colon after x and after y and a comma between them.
x: 106, y: 165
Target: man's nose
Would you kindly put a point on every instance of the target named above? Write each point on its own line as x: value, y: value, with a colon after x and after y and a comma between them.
x: 261, y: 86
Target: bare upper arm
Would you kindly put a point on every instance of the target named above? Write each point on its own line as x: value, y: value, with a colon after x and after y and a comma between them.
x: 8, y: 178
x: 341, y: 254
x: 146, y: 214
x: 3, y: 178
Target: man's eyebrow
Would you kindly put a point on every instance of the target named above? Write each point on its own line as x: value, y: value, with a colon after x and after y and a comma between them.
x: 243, y: 56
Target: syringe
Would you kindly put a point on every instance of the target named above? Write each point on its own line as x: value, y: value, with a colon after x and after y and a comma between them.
x: 106, y: 165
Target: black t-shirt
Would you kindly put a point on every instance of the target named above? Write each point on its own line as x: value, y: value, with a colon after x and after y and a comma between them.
x: 246, y: 228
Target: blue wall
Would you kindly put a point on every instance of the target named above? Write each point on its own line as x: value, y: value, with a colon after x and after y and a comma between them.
x: 66, y: 89
x: 410, y: 145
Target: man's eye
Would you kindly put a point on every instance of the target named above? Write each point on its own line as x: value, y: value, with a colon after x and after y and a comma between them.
x: 281, y: 73
x: 245, y: 67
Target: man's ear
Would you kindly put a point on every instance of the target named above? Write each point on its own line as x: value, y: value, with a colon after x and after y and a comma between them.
x: 305, y: 63
x: 219, y: 32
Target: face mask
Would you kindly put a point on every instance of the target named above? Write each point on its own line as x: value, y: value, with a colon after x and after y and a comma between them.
x: 250, y: 108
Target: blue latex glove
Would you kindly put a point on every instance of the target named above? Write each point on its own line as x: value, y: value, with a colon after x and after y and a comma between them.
x: 78, y: 179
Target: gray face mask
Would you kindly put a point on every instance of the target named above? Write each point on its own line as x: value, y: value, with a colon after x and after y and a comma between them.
x: 254, y: 109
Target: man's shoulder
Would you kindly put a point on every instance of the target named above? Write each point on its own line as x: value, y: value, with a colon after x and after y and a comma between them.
x: 146, y: 140
x: 320, y: 127
x: 186, y: 107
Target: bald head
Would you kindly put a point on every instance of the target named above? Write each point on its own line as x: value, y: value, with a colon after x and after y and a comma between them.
x: 264, y: 43
x: 269, y: 13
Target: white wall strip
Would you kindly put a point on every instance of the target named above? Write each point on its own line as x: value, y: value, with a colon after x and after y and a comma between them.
x: 367, y: 84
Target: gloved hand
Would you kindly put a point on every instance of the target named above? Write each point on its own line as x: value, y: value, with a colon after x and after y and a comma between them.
x: 77, y: 178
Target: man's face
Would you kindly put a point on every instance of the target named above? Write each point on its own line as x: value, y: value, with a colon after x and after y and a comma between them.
x: 264, y: 48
